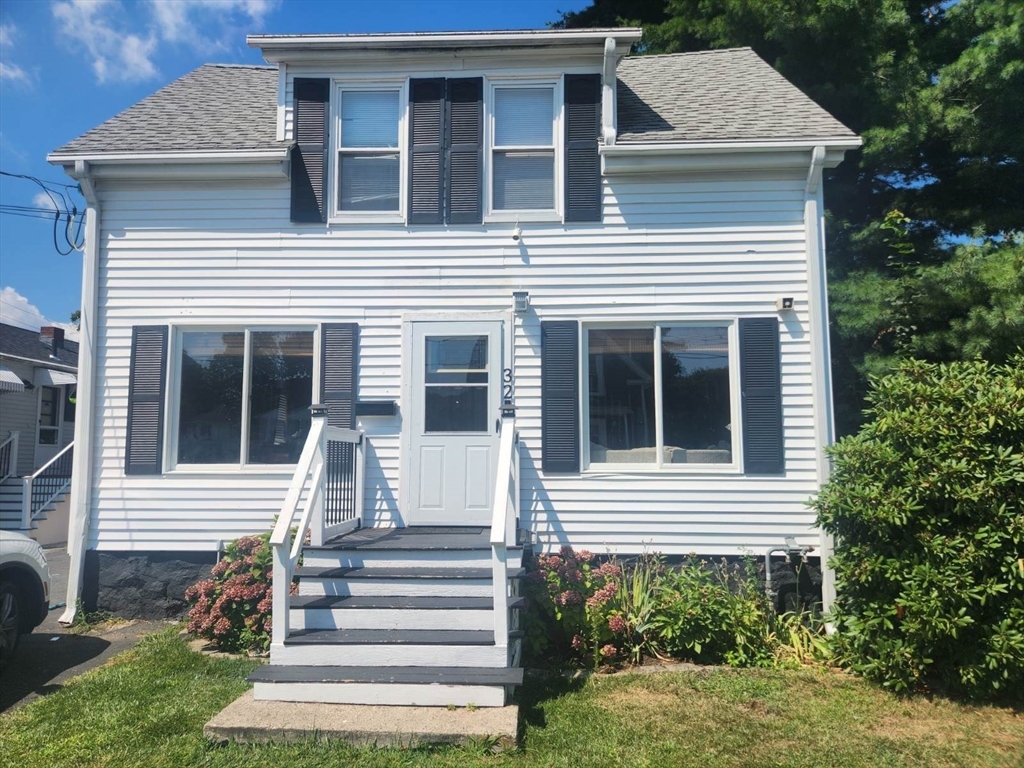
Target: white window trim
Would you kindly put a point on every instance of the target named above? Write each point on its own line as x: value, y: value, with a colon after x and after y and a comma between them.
x: 335, y: 216
x: 548, y: 215
x: 733, y: 468
x: 173, y: 399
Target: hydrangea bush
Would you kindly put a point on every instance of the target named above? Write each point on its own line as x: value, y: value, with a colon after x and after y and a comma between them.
x: 232, y: 607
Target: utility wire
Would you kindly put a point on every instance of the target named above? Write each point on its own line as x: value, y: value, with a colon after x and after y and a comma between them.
x: 67, y: 209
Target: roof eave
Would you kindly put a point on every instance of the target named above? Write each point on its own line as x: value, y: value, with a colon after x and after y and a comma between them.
x: 141, y: 158
x: 501, y: 39
x: 843, y: 143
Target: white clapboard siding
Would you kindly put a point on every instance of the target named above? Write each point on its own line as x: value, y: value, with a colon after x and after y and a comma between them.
x: 670, y: 248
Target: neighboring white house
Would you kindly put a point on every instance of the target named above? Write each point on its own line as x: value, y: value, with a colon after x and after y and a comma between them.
x: 432, y: 235
x: 38, y: 386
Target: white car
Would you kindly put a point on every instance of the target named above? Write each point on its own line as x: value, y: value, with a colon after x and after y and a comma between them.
x: 24, y: 590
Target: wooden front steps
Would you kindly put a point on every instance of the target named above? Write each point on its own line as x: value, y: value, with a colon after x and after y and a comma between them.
x: 397, y: 616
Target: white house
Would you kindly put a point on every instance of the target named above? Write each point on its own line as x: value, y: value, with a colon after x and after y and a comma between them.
x: 538, y: 285
x: 38, y: 402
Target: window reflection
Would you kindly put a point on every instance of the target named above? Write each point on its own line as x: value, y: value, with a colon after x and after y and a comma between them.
x: 210, y: 412
x: 621, y: 370
x: 281, y: 393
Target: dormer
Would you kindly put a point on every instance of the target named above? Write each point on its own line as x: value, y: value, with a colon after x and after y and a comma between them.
x: 447, y: 128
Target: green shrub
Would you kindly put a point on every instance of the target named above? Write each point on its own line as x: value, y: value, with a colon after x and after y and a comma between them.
x: 927, y: 503
x: 232, y: 608
x: 713, y: 614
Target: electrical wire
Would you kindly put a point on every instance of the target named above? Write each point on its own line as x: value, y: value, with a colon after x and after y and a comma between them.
x: 66, y: 209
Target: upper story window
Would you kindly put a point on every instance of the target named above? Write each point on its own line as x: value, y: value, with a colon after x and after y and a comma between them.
x: 523, y: 168
x: 369, y: 150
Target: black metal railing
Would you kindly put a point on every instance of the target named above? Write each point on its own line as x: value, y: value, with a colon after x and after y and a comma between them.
x: 340, y: 482
x: 51, y: 479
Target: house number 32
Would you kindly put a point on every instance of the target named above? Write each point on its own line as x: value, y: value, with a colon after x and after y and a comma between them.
x: 507, y: 385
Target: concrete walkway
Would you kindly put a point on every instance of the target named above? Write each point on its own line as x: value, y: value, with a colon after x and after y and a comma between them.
x: 249, y: 721
x: 52, y: 655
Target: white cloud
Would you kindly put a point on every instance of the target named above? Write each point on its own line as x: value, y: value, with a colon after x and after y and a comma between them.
x: 7, y: 35
x: 116, y: 53
x: 123, y: 41
x: 43, y: 200
x: 16, y: 310
x: 14, y: 73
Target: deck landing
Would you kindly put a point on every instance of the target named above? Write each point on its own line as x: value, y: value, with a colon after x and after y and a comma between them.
x: 416, y: 538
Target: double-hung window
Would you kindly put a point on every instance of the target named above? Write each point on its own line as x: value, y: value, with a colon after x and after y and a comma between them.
x: 524, y: 168
x: 369, y: 150
x: 662, y: 395
x: 243, y: 396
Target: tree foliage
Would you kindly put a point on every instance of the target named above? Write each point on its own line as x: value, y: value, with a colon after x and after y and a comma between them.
x: 937, y: 92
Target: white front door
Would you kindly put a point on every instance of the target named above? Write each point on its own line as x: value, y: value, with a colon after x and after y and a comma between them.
x: 456, y: 381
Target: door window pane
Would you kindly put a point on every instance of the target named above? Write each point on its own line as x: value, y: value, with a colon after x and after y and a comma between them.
x: 368, y: 182
x: 621, y: 376
x: 524, y: 180
x: 697, y: 409
x: 456, y: 384
x: 456, y: 409
x: 49, y: 406
x: 523, y: 117
x: 281, y: 393
x: 456, y: 360
x: 210, y: 409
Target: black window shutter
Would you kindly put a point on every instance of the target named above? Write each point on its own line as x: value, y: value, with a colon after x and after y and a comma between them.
x: 147, y: 377
x: 560, y: 395
x: 465, y: 140
x: 339, y: 366
x: 426, y: 150
x: 582, y: 163
x: 309, y: 155
x: 761, y: 393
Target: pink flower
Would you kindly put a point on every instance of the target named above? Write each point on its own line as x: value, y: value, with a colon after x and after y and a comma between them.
x: 608, y: 651
x: 617, y: 624
x: 569, y: 597
x: 577, y: 642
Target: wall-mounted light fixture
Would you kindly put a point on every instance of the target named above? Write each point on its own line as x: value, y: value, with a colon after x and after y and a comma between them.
x: 784, y: 304
x: 521, y: 301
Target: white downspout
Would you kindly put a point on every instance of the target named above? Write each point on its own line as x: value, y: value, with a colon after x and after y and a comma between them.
x: 81, y: 480
x: 821, y: 368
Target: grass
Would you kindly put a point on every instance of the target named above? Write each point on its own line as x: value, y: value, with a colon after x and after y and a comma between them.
x: 147, y: 708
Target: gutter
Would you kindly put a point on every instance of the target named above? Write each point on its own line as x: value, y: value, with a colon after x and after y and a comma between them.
x: 720, y: 147
x: 442, y: 40
x: 81, y: 480
x: 41, y: 363
x: 114, y: 158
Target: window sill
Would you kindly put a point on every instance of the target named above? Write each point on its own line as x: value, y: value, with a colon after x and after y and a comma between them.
x: 512, y: 217
x: 649, y: 469
x: 285, y: 470
x: 366, y: 218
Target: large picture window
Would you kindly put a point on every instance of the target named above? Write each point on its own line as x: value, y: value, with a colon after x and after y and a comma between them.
x: 244, y: 396
x: 369, y: 152
x: 662, y: 395
x: 523, y: 148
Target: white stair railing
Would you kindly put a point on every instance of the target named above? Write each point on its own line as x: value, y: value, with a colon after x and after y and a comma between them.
x: 46, y: 484
x: 333, y: 461
x: 504, y: 517
x: 9, y: 456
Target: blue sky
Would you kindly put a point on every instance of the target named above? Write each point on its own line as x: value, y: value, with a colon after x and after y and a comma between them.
x: 68, y: 65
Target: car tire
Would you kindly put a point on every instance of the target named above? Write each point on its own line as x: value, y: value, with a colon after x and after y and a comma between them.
x: 11, y: 605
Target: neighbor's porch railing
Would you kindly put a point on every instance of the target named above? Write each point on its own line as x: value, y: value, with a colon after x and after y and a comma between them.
x: 43, y: 486
x: 333, y: 461
x: 9, y: 457
x: 504, y: 521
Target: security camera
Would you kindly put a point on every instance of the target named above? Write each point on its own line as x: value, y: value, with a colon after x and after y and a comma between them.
x: 517, y: 233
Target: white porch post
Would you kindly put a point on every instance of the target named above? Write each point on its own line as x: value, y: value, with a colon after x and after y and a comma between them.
x: 12, y: 465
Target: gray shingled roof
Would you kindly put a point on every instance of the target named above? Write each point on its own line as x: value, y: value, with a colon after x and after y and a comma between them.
x: 215, y: 107
x: 721, y: 95
x: 21, y: 342
x: 713, y: 95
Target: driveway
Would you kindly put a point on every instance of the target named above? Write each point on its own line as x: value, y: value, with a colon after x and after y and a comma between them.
x: 51, y: 655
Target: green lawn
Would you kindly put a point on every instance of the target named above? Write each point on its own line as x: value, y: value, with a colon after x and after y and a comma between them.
x: 148, y: 706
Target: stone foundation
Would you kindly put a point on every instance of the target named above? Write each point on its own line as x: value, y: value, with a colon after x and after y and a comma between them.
x: 142, y: 585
